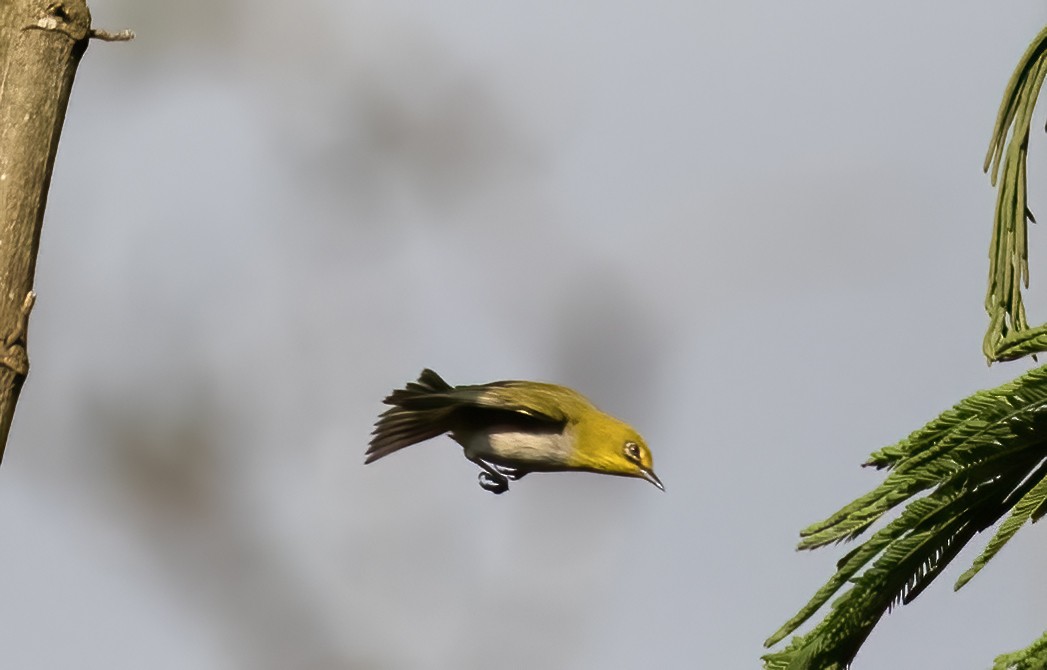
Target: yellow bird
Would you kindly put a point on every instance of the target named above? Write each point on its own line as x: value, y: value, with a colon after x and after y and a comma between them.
x: 511, y: 428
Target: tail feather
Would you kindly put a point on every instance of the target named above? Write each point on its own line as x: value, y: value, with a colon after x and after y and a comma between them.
x: 421, y: 394
x: 420, y: 411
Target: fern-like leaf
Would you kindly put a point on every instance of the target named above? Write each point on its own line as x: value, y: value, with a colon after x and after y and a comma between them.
x: 960, y: 437
x: 1008, y: 336
x: 1033, y: 657
x: 1023, y: 511
x: 957, y: 476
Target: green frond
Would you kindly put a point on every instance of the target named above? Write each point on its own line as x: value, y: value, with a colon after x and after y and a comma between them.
x: 1038, y: 513
x: 970, y: 432
x: 1021, y: 343
x: 1006, y: 162
x: 1023, y: 511
x: 834, y: 641
x: 957, y: 476
x: 1033, y: 657
x: 908, y: 562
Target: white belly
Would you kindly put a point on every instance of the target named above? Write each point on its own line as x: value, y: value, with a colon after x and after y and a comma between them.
x: 514, y: 447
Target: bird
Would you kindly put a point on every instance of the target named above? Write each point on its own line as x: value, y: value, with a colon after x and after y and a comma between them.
x: 512, y: 428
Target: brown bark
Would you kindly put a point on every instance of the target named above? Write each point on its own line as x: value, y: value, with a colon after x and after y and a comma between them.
x: 41, y: 42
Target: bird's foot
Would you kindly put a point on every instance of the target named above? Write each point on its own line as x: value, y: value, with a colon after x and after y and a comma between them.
x: 493, y: 482
x: 512, y: 474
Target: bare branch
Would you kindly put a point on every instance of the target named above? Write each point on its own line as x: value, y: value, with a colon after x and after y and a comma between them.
x: 41, y: 42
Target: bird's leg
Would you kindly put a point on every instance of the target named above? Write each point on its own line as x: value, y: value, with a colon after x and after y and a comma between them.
x: 490, y: 478
x: 512, y: 474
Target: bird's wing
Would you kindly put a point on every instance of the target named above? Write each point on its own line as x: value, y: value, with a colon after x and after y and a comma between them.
x: 544, y: 402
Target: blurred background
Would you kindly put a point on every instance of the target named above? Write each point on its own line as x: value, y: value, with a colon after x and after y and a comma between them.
x: 757, y: 231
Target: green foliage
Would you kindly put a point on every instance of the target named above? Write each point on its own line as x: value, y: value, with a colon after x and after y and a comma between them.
x: 981, y: 461
x: 958, y: 475
x: 1033, y: 657
x: 1009, y: 335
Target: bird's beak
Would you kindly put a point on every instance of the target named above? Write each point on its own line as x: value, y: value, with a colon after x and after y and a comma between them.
x: 651, y: 477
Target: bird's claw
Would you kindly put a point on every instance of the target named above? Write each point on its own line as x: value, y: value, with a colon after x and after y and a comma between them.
x: 495, y: 483
x: 512, y: 474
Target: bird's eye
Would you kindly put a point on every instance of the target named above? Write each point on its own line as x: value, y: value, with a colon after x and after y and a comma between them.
x: 632, y: 451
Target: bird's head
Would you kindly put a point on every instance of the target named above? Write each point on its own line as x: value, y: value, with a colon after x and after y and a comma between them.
x: 608, y: 446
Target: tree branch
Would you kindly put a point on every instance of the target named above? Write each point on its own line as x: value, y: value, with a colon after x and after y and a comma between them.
x: 41, y: 42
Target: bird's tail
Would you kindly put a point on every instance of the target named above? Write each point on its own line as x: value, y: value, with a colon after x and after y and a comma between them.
x: 419, y: 411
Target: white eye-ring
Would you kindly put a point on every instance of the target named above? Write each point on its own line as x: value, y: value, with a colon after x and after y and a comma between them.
x: 632, y: 451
